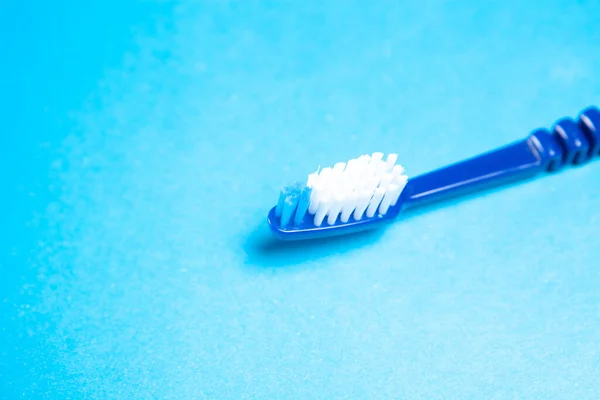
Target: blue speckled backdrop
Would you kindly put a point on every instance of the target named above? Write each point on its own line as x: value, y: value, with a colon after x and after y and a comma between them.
x: 142, y: 144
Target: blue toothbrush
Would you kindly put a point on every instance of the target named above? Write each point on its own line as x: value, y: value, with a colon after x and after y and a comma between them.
x: 369, y: 191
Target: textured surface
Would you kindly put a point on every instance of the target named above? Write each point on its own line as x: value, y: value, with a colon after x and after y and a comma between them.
x: 143, y: 144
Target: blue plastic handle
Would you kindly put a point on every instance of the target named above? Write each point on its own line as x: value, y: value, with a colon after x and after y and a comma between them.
x: 569, y: 142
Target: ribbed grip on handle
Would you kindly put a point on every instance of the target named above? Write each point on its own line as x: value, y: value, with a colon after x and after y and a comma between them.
x: 570, y: 142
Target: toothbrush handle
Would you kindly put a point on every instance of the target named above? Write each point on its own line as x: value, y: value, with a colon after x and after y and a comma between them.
x: 570, y: 142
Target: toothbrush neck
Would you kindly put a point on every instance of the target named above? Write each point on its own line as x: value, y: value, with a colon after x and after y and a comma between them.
x: 541, y: 151
x: 510, y: 163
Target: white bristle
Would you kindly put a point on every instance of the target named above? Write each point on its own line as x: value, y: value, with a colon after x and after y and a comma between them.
x: 395, y: 196
x: 374, y: 203
x: 388, y: 198
x: 348, y: 206
x: 334, y: 211
x: 314, y: 202
x: 321, y: 213
x: 386, y: 179
x: 362, y: 204
x: 401, y: 185
x: 355, y: 189
x: 398, y: 170
x: 376, y: 157
x: 325, y: 174
x: 372, y: 183
x: 391, y: 160
x: 352, y: 165
x: 312, y: 179
x: 339, y: 167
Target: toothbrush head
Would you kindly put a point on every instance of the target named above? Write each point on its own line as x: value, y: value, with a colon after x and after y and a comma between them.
x: 351, y: 196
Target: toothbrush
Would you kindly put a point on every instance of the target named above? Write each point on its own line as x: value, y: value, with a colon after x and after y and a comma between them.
x: 370, y: 191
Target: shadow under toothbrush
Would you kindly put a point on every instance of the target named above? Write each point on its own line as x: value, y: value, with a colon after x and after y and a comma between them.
x: 263, y: 250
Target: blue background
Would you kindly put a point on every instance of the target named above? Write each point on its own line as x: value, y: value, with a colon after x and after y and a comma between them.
x: 142, y: 144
